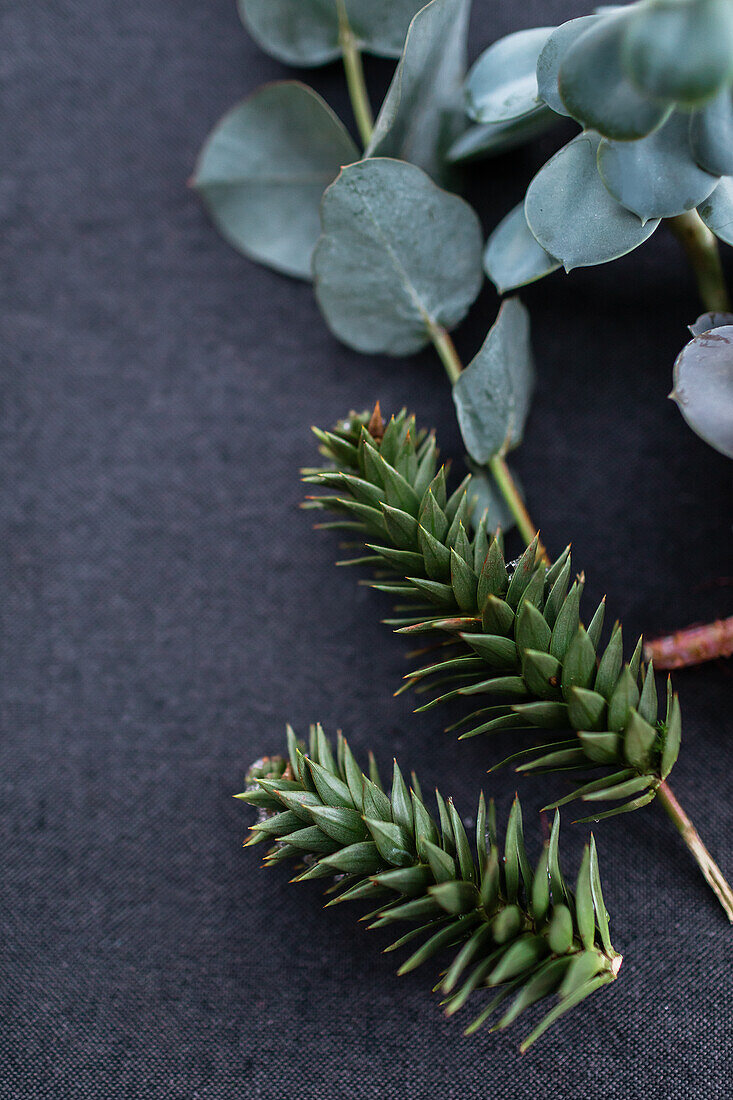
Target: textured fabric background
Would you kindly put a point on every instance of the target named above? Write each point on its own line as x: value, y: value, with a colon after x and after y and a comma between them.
x: 166, y: 608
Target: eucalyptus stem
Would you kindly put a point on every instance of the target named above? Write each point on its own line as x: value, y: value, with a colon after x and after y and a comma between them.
x: 702, y: 251
x: 508, y: 489
x: 355, y: 82
x: 446, y: 350
x: 505, y: 483
x: 710, y: 870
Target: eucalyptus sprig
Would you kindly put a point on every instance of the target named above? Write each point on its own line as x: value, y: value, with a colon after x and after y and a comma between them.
x: 266, y: 164
x: 650, y: 84
x: 395, y: 259
x: 513, y: 932
x: 514, y: 631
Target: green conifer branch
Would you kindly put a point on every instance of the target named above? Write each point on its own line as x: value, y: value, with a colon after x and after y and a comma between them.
x: 513, y: 932
x: 514, y: 632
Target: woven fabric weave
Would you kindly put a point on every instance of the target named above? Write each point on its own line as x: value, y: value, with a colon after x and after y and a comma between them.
x: 166, y: 608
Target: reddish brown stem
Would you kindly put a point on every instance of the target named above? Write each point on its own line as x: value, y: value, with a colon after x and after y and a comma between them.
x: 692, y: 646
x: 711, y: 872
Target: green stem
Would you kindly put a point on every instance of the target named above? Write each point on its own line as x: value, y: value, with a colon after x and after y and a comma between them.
x: 500, y: 471
x: 711, y: 872
x: 702, y: 251
x: 446, y: 349
x: 355, y: 78
x: 508, y: 489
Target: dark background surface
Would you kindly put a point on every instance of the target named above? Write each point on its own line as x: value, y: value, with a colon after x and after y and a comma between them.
x: 166, y: 608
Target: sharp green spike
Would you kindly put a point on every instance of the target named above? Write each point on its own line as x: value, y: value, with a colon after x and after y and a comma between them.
x: 639, y: 741
x: 532, y: 630
x: 557, y: 593
x: 521, y: 576
x: 401, y: 804
x: 635, y: 662
x: 609, y: 666
x: 463, y: 582
x: 596, y: 624
x: 672, y: 738
x: 566, y: 624
x: 455, y: 897
x: 497, y: 616
x: 450, y: 934
x: 393, y: 842
x: 494, y: 579
x: 441, y: 862
x: 451, y: 579
x: 648, y: 705
x: 620, y: 790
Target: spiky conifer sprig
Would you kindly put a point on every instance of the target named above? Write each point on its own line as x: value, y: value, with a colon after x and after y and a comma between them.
x: 513, y: 932
x: 515, y: 630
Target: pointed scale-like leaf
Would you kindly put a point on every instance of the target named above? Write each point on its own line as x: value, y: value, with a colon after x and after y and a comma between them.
x: 401, y: 803
x: 514, y: 632
x: 520, y: 938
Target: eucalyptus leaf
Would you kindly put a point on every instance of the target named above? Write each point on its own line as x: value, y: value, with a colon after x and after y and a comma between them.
x: 487, y: 500
x: 513, y: 256
x: 573, y: 216
x: 263, y: 171
x: 309, y: 32
x: 596, y: 90
x: 680, y: 50
x: 502, y: 84
x: 711, y: 134
x: 397, y: 257
x: 492, y: 138
x: 657, y: 176
x: 493, y: 394
x: 706, y: 321
x: 717, y: 210
x: 551, y: 58
x: 421, y: 115
x: 703, y: 387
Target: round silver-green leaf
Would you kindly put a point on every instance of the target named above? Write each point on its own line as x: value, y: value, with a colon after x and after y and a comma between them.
x: 596, y: 90
x: 422, y: 114
x: 492, y: 138
x: 680, y: 50
x: 263, y: 171
x: 502, y: 84
x: 307, y: 32
x: 493, y: 394
x: 711, y: 134
x: 551, y: 58
x: 513, y: 256
x: 397, y: 256
x: 712, y: 319
x: 703, y: 387
x: 717, y: 210
x: 573, y: 216
x: 657, y: 176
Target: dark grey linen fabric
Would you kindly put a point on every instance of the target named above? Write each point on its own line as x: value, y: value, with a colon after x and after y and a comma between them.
x: 166, y: 608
